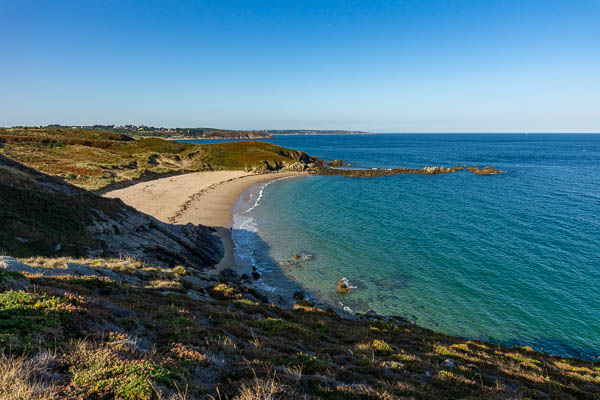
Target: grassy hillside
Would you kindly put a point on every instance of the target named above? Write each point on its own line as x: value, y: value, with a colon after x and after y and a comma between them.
x: 39, y: 212
x: 42, y: 215
x: 179, y: 334
x: 95, y: 159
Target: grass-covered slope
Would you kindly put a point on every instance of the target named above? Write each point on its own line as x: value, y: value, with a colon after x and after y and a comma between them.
x: 42, y: 215
x: 96, y: 159
x: 177, y: 334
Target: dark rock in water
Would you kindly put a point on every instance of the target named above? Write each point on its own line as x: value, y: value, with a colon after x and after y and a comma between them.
x: 230, y: 273
x: 299, y: 295
x: 296, y: 259
x: 255, y: 275
x: 391, y: 283
x: 343, y: 286
x: 245, y: 278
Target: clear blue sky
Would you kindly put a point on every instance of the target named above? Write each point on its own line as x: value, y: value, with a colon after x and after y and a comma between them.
x: 395, y: 66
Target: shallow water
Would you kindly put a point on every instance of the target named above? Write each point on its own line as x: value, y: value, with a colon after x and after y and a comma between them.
x: 513, y: 258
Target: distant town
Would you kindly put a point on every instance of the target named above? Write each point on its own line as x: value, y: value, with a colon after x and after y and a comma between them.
x: 196, y: 133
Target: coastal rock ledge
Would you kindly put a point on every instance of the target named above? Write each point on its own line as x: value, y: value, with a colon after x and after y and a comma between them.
x: 428, y: 170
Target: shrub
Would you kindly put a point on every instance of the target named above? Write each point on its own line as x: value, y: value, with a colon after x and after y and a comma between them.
x: 274, y: 325
x: 179, y: 270
x: 27, y: 317
x: 223, y: 292
x: 382, y: 346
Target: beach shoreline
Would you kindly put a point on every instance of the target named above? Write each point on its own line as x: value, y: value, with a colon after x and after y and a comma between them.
x: 206, y: 198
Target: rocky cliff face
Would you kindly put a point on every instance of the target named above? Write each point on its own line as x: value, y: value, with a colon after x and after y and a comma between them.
x: 42, y: 215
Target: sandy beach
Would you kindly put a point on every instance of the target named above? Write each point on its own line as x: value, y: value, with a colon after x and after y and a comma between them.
x: 205, y: 198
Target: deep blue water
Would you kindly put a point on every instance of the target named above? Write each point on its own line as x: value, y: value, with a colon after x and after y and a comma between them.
x: 512, y: 258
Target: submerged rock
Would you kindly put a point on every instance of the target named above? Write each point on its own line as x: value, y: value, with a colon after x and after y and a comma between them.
x: 296, y: 259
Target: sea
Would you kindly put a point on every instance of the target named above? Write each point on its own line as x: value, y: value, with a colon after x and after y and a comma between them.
x: 512, y: 259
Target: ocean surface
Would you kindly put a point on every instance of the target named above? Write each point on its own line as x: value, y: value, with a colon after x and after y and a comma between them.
x: 512, y: 258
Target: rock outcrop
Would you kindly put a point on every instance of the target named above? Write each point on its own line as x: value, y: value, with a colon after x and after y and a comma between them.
x: 428, y: 170
x: 484, y: 171
x: 344, y: 286
x: 337, y: 163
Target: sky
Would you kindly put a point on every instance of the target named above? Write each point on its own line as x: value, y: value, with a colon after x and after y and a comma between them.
x: 380, y: 66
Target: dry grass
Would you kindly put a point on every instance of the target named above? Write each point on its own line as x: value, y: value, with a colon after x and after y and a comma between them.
x: 24, y: 379
x: 268, y: 388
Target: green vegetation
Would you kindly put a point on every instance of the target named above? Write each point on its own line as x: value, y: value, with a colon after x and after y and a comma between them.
x: 179, y: 270
x: 94, y: 159
x: 33, y: 223
x: 28, y: 320
x: 382, y: 346
x: 138, y: 342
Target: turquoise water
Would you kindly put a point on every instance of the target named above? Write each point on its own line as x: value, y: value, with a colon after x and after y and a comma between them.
x: 513, y: 258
